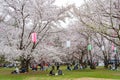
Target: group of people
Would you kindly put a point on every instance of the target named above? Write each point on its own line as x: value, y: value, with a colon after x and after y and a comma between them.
x: 112, y: 67
x: 17, y: 70
x: 52, y: 71
x: 76, y: 67
x: 42, y: 66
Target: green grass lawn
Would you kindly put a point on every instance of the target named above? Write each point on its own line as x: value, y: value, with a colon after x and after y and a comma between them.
x: 5, y: 74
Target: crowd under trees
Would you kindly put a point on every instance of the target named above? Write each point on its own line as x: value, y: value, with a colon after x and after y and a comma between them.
x: 93, y: 32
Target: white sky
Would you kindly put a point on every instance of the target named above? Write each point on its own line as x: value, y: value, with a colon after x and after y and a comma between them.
x: 66, y: 2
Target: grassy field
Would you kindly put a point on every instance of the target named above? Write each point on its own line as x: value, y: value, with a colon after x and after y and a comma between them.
x: 5, y: 74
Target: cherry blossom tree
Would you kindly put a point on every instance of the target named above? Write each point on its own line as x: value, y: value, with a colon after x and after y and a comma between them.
x: 101, y: 17
x: 23, y: 17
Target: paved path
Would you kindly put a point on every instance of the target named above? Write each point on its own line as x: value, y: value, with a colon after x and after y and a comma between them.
x: 93, y: 79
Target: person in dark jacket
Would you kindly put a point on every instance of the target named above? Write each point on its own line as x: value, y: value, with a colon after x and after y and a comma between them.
x: 51, y: 73
x: 60, y: 72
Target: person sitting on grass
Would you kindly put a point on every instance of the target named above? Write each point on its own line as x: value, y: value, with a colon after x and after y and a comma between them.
x: 75, y: 67
x: 16, y: 71
x: 68, y: 67
x: 52, y: 73
x: 110, y: 66
x: 22, y: 70
x: 60, y: 72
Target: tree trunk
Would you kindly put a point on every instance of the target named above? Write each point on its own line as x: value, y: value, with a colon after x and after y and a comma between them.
x: 25, y: 64
x: 106, y: 62
x: 80, y: 61
x: 92, y: 64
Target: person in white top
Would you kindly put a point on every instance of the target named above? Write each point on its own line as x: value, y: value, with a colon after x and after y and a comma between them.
x: 17, y: 70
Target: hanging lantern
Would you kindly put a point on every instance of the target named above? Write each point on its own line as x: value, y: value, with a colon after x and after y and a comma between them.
x: 103, y: 48
x: 34, y: 37
x: 89, y: 47
x: 112, y: 47
x: 115, y: 49
x: 68, y: 44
